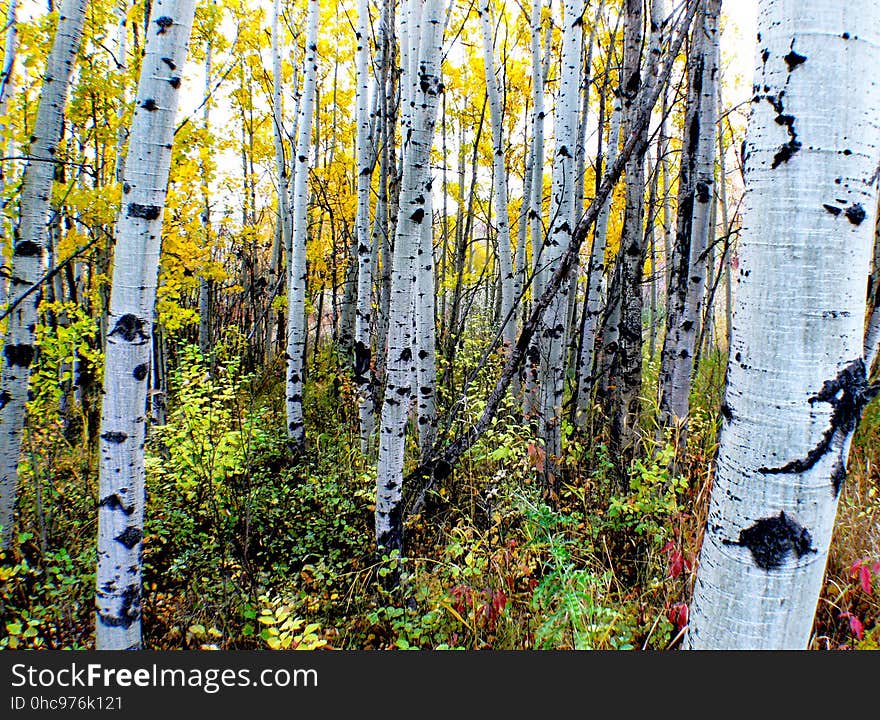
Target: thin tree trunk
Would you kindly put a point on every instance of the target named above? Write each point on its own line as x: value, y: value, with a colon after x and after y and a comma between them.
x: 499, y: 179
x: 682, y: 329
x: 364, y: 307
x: 204, y: 282
x: 296, y: 280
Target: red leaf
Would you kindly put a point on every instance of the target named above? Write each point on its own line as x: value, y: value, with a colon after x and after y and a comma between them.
x: 668, y: 547
x: 678, y: 615
x: 862, y: 570
x: 537, y: 456
x: 676, y: 563
x: 855, y: 625
x: 865, y: 578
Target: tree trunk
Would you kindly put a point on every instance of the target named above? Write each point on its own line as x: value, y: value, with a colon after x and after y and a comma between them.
x: 27, y: 252
x: 132, y: 302
x: 296, y: 280
x: 365, y: 161
x: 562, y: 222
x: 679, y: 347
x: 422, y: 85
x: 796, y: 376
x: 7, y: 86
x: 499, y: 180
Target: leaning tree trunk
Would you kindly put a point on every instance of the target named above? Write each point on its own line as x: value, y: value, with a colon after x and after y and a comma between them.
x: 796, y: 375
x: 132, y: 303
x: 296, y: 280
x: 27, y: 252
x: 499, y: 175
x: 424, y: 90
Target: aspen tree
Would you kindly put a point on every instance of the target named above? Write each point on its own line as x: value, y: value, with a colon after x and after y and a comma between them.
x: 499, y: 179
x: 132, y: 304
x: 796, y: 375
x: 421, y: 86
x: 296, y: 280
x: 29, y: 242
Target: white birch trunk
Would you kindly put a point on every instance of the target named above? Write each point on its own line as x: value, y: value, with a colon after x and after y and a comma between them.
x: 677, y: 384
x: 425, y: 341
x: 121, y: 68
x: 499, y: 177
x: 27, y: 252
x: 596, y: 274
x: 296, y: 280
x: 553, y: 330
x: 7, y: 85
x: 132, y: 304
x: 204, y: 284
x: 536, y: 200
x: 364, y: 306
x: 796, y: 375
x: 425, y: 87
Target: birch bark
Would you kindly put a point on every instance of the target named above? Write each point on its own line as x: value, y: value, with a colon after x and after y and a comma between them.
x: 30, y: 239
x: 422, y: 76
x: 296, y: 280
x: 796, y: 374
x: 499, y: 176
x: 132, y: 303
x: 559, y: 234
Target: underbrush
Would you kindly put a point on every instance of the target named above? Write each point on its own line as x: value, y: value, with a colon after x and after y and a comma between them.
x: 244, y: 548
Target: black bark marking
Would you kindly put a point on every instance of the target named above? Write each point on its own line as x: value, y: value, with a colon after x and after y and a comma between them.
x: 785, y: 153
x: 129, y: 328
x: 702, y: 192
x: 27, y: 248
x: 765, y: 55
x: 793, y: 59
x: 140, y: 372
x: 789, y: 149
x: 144, y: 212
x: 5, y: 397
x: 19, y: 355
x: 848, y: 394
x: 770, y: 540
x: 174, y: 82
x: 170, y: 63
x: 406, y: 355
x: 418, y: 216
x: 129, y: 609
x: 856, y: 214
x: 117, y: 438
x: 834, y: 210
x: 149, y: 105
x: 114, y: 502
x: 129, y: 537
x: 726, y: 412
x: 164, y: 23
x: 361, y: 363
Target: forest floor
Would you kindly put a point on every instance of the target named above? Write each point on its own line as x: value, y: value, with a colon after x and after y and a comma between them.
x: 245, y: 549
